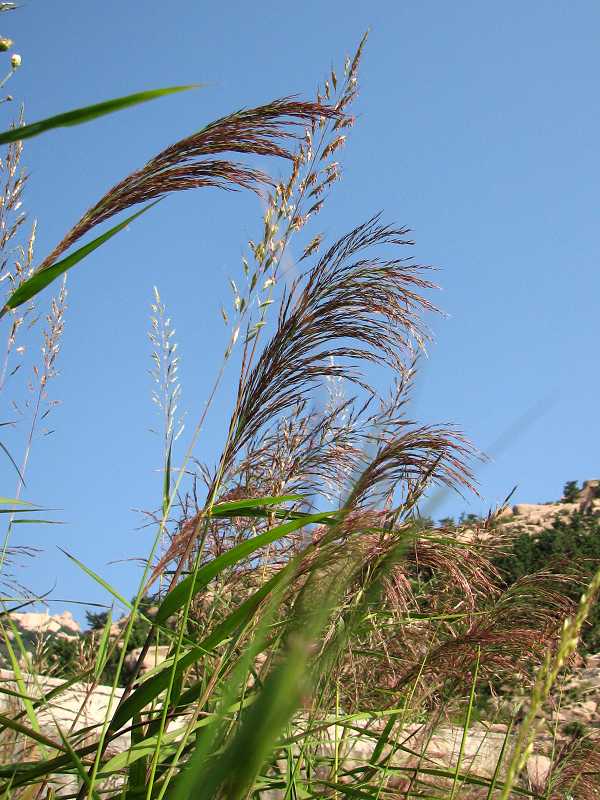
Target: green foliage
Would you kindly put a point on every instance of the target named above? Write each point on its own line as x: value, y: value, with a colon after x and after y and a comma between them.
x: 575, y: 729
x: 139, y: 632
x: 61, y: 656
x: 571, y: 492
x: 571, y: 547
x: 96, y: 620
x: 80, y: 115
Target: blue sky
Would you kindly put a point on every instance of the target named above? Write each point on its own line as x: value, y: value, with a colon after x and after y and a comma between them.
x: 478, y: 127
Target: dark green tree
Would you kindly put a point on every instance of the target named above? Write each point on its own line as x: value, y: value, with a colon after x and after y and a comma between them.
x: 571, y: 547
x: 571, y: 492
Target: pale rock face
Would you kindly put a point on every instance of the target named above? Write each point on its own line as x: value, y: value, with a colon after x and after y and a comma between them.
x: 154, y: 657
x: 593, y: 661
x: 594, y: 484
x: 42, y: 622
x: 507, y: 511
x: 536, y: 517
x: 538, y: 769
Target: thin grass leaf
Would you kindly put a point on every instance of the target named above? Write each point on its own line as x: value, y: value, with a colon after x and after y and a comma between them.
x: 151, y: 688
x: 16, y: 668
x: 4, y: 690
x: 7, y: 452
x: 209, y: 772
x: 13, y: 725
x: 241, y: 506
x: 498, y: 766
x: 79, y: 768
x: 18, y: 510
x: 42, y: 278
x: 13, y: 501
x: 144, y: 747
x: 80, y: 115
x: 136, y: 768
x: 103, y: 645
x: 27, y: 772
x: 465, y: 732
x: 98, y: 579
x: 178, y: 595
x: 238, y: 766
x: 472, y: 780
x: 167, y: 481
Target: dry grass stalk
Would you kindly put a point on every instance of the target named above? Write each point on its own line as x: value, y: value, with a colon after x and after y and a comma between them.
x: 191, y: 163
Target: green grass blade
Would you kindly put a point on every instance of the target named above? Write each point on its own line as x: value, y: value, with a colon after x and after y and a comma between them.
x: 500, y: 760
x: 79, y: 768
x: 167, y: 482
x: 179, y: 594
x: 151, y: 688
x: 98, y: 579
x: 10, y: 693
x: 136, y: 768
x: 224, y: 509
x: 39, y: 280
x: 232, y: 774
x: 465, y: 732
x: 18, y: 510
x: 80, y: 115
x: 103, y: 646
x: 10, y: 458
x: 12, y: 501
x: 26, y: 772
x: 16, y: 668
x: 13, y: 725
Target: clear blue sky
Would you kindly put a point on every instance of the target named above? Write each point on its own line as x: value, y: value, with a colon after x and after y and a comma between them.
x: 479, y: 127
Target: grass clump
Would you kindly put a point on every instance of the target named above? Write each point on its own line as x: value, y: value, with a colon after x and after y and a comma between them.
x: 319, y: 637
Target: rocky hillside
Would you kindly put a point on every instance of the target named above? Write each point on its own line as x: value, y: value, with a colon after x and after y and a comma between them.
x: 536, y: 517
x: 568, y: 529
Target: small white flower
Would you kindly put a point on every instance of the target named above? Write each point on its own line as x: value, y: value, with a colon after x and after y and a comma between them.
x: 15, y: 61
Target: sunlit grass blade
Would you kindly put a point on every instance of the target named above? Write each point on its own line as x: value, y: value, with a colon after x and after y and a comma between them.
x: 277, y: 702
x: 98, y: 579
x: 500, y: 760
x: 10, y: 693
x: 16, y: 667
x: 151, y: 688
x: 80, y: 115
x: 240, y: 506
x: 14, y: 502
x: 103, y: 645
x: 178, y: 595
x: 211, y: 756
x: 18, y: 510
x: 39, y: 280
x: 466, y: 725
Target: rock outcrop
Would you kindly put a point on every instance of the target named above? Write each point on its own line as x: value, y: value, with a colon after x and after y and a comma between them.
x: 535, y: 517
x: 32, y: 622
